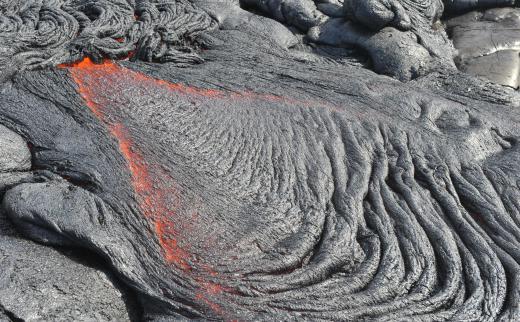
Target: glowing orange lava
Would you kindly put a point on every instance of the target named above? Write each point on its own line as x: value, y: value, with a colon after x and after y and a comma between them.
x: 151, y: 198
x: 157, y: 200
x: 107, y: 67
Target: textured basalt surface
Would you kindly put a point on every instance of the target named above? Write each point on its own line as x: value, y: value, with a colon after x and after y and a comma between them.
x: 38, y: 283
x: 245, y: 161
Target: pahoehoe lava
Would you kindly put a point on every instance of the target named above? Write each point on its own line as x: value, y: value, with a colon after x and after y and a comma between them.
x: 238, y: 161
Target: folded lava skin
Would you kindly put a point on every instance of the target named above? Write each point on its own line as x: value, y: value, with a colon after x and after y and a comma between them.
x: 226, y: 169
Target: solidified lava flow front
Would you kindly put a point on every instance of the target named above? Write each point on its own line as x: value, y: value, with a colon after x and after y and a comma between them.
x: 116, y: 95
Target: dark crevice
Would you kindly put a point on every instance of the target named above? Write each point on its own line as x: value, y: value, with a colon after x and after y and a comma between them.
x: 86, y: 258
x: 90, y: 259
x: 10, y: 315
x: 253, y: 9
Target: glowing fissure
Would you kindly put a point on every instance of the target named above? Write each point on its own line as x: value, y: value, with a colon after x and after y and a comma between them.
x: 153, y: 200
x: 108, y: 67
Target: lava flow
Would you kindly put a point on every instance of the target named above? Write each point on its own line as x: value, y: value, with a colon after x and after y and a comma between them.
x: 158, y: 201
x: 111, y: 91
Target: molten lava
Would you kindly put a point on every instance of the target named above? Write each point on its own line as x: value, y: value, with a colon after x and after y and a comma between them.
x: 101, y: 87
x: 156, y: 201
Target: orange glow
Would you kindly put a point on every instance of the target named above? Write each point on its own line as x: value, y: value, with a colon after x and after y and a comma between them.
x: 136, y: 164
x: 173, y: 253
x: 214, y: 307
x: 143, y: 183
x: 155, y: 200
x: 157, y: 197
x: 107, y: 67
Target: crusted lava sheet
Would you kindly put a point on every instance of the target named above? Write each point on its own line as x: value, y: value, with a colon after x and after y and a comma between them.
x: 225, y: 167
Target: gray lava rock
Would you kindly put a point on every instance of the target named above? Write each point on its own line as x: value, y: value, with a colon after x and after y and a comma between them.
x: 393, y: 52
x: 39, y: 283
x: 14, y: 154
x: 466, y: 5
x: 269, y: 183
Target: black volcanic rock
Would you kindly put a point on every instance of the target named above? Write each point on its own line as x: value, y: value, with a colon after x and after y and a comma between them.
x: 228, y: 166
x: 39, y: 283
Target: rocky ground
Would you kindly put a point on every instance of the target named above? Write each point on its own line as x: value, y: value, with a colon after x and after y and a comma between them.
x: 40, y: 283
x: 283, y: 160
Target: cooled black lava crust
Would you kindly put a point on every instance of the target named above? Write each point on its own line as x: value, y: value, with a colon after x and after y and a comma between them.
x: 228, y: 167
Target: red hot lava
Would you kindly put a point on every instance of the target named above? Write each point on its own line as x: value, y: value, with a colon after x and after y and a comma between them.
x: 155, y: 200
x: 158, y: 201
